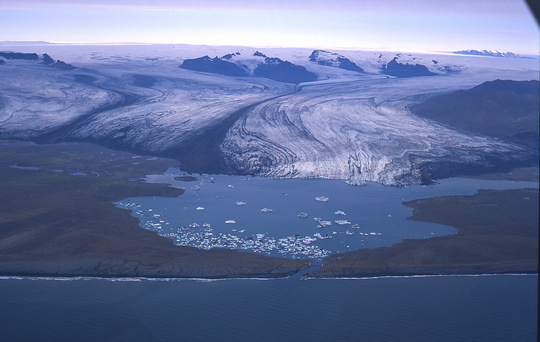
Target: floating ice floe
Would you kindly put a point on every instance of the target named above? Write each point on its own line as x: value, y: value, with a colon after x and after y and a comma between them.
x: 339, y: 212
x: 199, y: 208
x: 265, y: 210
x: 323, y: 224
x: 302, y: 215
x: 322, y: 199
x: 342, y: 222
x: 240, y: 203
x: 326, y: 236
x: 230, y: 221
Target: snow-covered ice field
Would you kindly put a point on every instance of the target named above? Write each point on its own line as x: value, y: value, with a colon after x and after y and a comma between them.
x: 346, y: 125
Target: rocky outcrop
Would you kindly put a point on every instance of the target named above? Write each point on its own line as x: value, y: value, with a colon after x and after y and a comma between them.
x: 20, y: 55
x: 214, y: 65
x: 47, y: 60
x: 394, y: 68
x: 283, y: 71
x: 270, y: 67
x: 328, y: 58
x: 63, y: 65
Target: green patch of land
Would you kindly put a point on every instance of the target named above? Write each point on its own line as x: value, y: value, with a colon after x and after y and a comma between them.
x: 57, y: 218
x: 497, y: 233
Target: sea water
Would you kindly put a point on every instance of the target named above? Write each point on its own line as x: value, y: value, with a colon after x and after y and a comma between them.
x: 451, y: 308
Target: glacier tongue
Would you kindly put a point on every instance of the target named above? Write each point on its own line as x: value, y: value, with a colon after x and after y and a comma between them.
x: 339, y: 131
x: 175, y: 110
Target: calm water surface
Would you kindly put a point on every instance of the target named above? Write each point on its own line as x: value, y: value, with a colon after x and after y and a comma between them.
x: 481, y: 308
x: 377, y: 210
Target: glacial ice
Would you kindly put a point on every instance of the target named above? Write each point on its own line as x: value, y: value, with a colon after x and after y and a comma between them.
x: 346, y: 125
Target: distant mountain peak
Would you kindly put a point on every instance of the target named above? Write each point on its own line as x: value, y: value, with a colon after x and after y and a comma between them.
x: 47, y: 60
x: 489, y: 53
x: 271, y: 67
x: 230, y: 55
x: 327, y: 58
x: 214, y: 65
x: 394, y: 68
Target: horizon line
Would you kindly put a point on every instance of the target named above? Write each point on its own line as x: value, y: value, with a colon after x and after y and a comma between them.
x: 348, y: 48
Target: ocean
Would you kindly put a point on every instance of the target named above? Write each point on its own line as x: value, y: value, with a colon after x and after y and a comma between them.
x: 451, y: 308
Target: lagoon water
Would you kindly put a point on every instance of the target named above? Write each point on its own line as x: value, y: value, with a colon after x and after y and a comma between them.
x: 376, y: 209
x: 450, y: 308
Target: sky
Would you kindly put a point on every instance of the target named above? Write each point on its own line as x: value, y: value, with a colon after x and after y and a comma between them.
x: 404, y: 25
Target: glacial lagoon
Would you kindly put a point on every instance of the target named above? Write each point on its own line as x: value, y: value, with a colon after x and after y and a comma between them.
x: 295, y: 218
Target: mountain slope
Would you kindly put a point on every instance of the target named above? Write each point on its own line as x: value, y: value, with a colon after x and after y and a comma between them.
x: 504, y: 109
x: 328, y: 58
x: 266, y: 67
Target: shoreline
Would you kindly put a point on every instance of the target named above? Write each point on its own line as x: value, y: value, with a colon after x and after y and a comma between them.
x: 423, y: 276
x: 489, y: 240
x: 441, y: 272
x: 61, y: 220
x: 207, y: 280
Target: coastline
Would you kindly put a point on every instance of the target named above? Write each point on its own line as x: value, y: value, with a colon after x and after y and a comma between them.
x: 165, y: 279
x: 414, y: 276
x: 489, y: 240
x: 412, y: 272
x: 58, y: 219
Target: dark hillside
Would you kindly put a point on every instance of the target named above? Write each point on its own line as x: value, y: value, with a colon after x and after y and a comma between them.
x: 507, y: 110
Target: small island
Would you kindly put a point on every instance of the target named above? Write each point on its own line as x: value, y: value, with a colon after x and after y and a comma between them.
x: 185, y: 178
x: 497, y: 233
x: 57, y: 219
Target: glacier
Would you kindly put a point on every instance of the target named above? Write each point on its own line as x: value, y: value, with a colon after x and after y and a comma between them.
x: 348, y: 125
